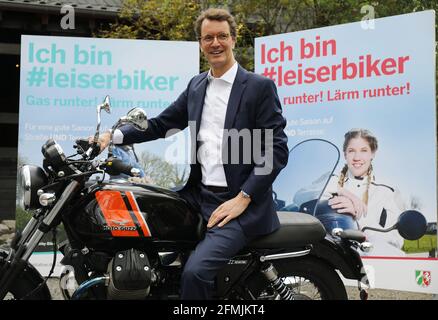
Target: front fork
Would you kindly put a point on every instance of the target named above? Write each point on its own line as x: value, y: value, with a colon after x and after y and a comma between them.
x: 32, y: 235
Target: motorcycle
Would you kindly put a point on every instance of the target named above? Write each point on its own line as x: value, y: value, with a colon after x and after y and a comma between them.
x: 128, y: 240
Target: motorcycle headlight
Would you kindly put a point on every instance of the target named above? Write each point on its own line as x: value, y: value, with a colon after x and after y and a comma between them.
x: 30, y: 179
x: 54, y: 154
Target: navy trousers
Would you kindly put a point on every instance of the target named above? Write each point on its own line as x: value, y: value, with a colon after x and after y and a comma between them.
x: 214, y: 251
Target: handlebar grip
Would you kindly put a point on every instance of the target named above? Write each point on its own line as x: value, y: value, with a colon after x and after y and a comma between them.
x: 351, y: 234
x: 116, y: 166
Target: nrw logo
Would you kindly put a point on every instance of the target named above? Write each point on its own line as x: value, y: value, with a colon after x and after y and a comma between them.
x: 423, y: 278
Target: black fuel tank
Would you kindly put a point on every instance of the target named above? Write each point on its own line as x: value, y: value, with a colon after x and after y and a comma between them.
x: 125, y: 210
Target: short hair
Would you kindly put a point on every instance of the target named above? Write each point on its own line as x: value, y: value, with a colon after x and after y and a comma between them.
x: 216, y: 14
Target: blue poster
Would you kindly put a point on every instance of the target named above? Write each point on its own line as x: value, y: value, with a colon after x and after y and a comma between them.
x: 63, y: 79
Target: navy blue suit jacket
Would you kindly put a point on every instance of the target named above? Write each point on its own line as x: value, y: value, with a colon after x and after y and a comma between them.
x: 253, y: 104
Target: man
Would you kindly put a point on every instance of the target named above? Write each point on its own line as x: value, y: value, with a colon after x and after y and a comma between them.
x: 234, y: 199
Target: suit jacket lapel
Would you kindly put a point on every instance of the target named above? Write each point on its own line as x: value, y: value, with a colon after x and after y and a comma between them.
x: 235, y: 96
x: 199, y: 96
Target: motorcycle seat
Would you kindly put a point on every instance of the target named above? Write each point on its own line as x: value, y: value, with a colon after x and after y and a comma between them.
x: 296, y: 229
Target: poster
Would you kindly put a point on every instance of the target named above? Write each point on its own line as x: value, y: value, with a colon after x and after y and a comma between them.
x: 335, y: 79
x: 63, y: 79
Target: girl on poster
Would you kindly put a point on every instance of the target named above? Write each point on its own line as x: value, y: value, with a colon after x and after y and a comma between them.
x: 357, y: 192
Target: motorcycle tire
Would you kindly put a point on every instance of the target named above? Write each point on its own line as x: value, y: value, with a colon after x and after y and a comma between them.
x: 311, y: 272
x: 23, y: 286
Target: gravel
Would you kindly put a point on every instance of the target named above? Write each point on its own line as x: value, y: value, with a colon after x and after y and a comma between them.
x: 353, y: 293
x: 382, y: 294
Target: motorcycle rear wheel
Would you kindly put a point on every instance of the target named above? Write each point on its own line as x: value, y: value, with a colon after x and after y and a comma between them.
x: 309, y: 278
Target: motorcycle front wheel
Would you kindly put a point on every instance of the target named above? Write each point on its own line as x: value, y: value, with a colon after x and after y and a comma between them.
x: 24, y: 287
x: 309, y: 279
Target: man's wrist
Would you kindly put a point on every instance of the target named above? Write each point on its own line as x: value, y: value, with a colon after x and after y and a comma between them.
x: 245, y: 195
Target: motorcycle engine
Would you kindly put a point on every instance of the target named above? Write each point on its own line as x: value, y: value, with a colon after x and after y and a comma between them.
x: 130, y: 275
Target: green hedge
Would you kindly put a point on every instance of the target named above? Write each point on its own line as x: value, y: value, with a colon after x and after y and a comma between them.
x: 426, y: 243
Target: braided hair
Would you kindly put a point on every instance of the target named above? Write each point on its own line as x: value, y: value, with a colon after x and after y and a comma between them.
x: 372, y: 142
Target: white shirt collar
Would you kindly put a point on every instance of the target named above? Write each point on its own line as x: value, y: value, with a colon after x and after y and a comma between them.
x: 228, y: 76
x: 359, y: 179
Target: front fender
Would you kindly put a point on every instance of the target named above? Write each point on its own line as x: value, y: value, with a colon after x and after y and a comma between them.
x: 341, y: 256
x: 29, y: 277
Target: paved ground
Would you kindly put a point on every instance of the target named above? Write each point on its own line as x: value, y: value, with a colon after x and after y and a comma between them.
x: 381, y: 294
x: 353, y: 293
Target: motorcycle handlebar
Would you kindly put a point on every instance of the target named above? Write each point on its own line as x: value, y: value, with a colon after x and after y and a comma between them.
x: 350, y: 234
x: 116, y: 166
x: 84, y: 146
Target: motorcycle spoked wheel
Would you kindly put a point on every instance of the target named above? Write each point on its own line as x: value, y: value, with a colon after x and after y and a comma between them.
x: 309, y: 278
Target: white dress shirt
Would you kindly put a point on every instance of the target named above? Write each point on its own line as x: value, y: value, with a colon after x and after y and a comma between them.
x: 212, y: 127
x: 117, y: 137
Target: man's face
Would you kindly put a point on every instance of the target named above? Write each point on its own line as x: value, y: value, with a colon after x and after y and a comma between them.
x: 217, y: 45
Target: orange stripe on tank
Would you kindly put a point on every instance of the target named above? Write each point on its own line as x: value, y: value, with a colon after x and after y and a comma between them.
x: 137, y: 212
x: 116, y: 214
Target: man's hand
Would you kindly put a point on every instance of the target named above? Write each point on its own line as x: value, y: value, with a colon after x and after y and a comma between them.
x: 104, y: 140
x: 228, y: 210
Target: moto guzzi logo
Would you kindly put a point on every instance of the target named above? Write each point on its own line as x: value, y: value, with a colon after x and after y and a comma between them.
x: 120, y: 228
